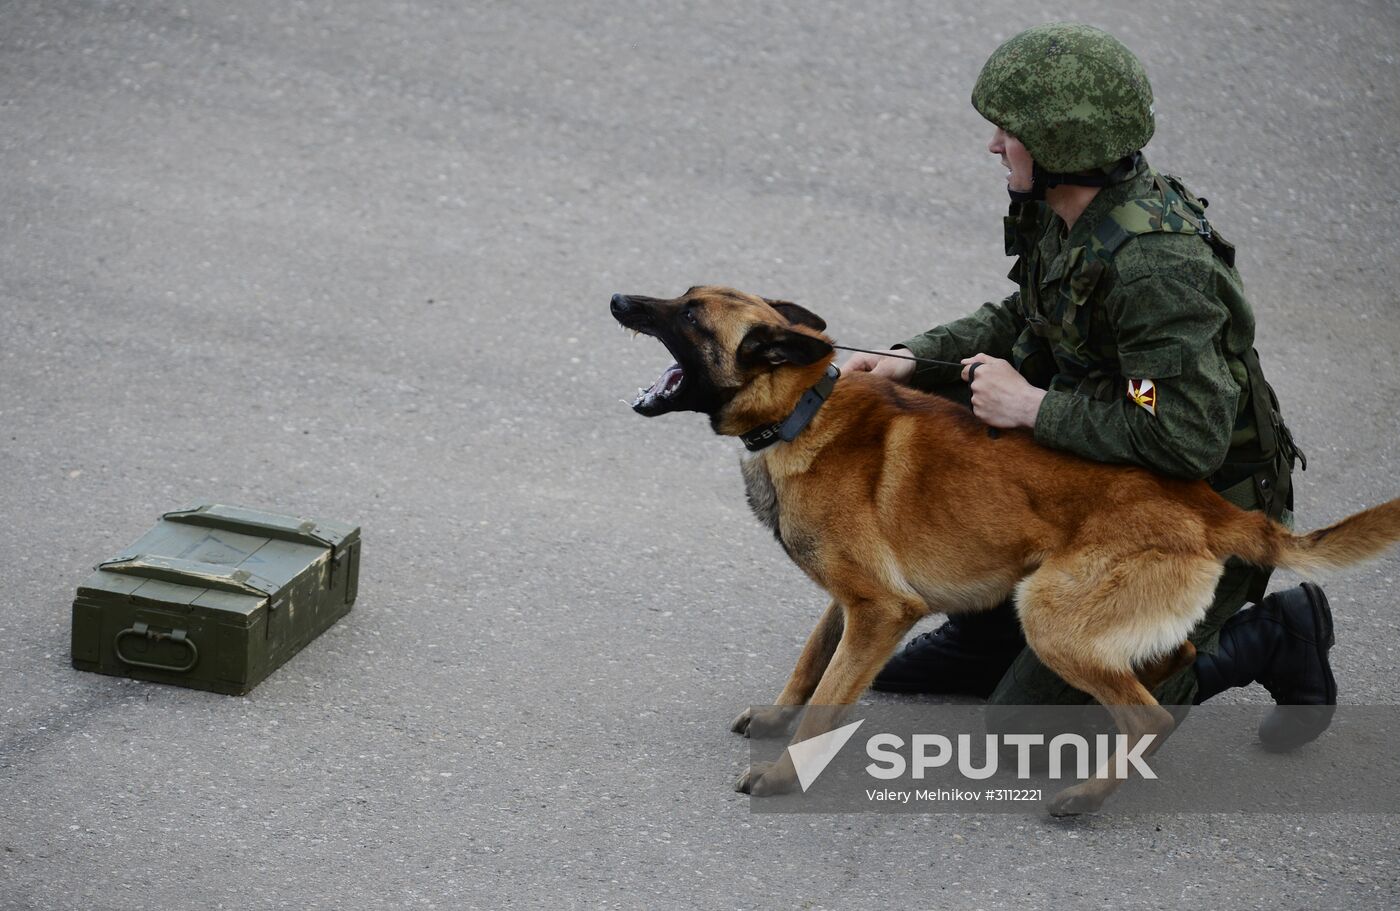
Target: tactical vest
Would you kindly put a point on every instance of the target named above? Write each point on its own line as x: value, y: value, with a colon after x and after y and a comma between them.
x: 1058, y: 351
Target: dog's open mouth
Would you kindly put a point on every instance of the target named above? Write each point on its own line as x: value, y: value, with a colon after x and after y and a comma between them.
x: 649, y: 316
x: 656, y: 398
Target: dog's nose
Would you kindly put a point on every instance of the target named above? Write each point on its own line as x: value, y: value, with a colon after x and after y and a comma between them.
x: 620, y: 305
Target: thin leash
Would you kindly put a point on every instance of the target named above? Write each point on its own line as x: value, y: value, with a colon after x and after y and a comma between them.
x: 908, y: 357
x: 971, y: 369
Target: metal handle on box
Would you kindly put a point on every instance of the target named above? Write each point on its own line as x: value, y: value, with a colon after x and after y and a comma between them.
x: 145, y: 632
x: 232, y: 518
x: 191, y: 572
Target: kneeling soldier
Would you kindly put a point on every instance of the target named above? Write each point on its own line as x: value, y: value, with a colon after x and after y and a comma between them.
x: 1128, y: 339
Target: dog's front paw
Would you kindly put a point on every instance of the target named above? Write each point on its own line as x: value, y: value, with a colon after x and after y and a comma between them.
x: 752, y: 774
x: 741, y: 724
x: 772, y: 721
x: 765, y: 779
x: 1073, y: 801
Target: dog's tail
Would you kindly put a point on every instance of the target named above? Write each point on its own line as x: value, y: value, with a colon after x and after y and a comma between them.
x: 1254, y: 537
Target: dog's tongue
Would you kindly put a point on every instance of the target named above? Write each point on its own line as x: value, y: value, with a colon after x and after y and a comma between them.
x: 667, y: 382
x: 665, y: 386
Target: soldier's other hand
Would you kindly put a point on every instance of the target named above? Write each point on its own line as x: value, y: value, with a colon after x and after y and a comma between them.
x: 1001, y: 397
x: 896, y: 368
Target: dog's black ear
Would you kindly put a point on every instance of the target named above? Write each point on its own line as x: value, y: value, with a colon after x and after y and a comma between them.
x: 798, y: 316
x: 767, y: 344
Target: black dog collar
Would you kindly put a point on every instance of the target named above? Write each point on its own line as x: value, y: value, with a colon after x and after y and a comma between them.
x: 788, y: 429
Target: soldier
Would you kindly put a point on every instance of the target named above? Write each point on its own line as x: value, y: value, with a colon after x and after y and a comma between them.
x: 1128, y: 339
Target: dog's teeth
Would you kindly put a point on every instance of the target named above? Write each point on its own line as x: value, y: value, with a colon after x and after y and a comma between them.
x: 636, y: 332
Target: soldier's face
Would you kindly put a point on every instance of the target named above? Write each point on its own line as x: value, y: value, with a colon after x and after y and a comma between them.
x: 1019, y: 164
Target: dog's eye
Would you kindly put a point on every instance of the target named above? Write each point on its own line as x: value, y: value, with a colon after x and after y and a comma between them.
x: 689, y: 314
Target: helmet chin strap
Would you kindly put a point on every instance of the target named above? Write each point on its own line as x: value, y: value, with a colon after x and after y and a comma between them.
x: 1042, y: 180
x: 1034, y: 194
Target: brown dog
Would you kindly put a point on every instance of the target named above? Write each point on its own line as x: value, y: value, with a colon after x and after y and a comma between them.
x: 899, y: 505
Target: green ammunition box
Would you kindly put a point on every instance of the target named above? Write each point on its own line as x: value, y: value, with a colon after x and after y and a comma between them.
x: 215, y: 597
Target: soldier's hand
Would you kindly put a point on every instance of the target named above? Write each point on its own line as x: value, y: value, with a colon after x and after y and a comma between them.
x: 1001, y: 397
x: 896, y: 368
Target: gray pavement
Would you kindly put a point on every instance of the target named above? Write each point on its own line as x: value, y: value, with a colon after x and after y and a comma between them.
x: 353, y: 259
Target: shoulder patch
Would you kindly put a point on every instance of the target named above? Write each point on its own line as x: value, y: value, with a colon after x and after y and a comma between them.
x: 1144, y: 393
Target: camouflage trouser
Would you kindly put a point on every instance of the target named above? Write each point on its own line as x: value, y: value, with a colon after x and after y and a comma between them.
x: 1029, y: 682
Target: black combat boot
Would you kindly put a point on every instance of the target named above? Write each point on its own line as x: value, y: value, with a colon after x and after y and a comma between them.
x: 1282, y: 642
x: 965, y: 656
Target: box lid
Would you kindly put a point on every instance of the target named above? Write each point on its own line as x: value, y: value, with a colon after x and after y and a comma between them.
x: 220, y: 558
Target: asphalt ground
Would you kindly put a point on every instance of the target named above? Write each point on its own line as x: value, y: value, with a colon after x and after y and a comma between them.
x: 353, y: 259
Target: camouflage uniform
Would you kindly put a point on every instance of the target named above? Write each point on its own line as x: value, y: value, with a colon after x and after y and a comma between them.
x: 1140, y: 289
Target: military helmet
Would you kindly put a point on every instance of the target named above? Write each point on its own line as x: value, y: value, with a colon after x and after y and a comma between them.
x: 1074, y: 96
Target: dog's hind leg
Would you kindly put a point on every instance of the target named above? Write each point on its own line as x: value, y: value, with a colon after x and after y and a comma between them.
x: 816, y: 655
x: 1092, y: 617
x: 1136, y: 715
